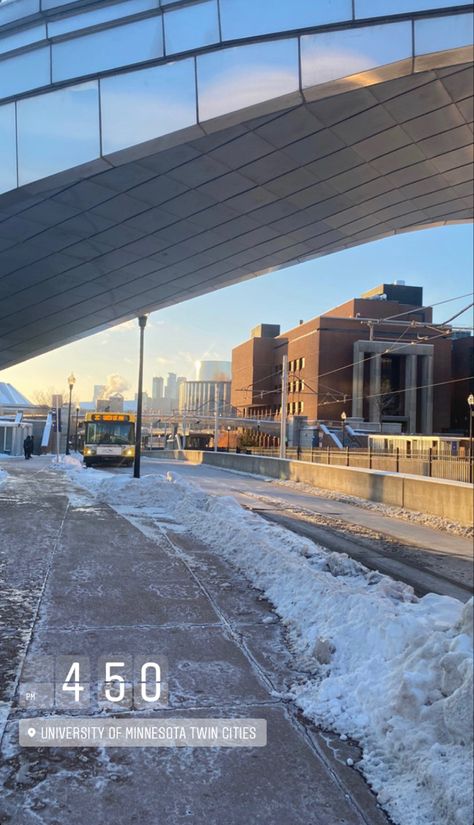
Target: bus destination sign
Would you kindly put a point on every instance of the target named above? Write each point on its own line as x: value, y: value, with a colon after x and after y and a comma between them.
x: 109, y: 417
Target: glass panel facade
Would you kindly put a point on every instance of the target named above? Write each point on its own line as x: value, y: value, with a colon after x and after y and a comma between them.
x: 108, y: 49
x: 99, y: 15
x: 247, y: 18
x: 375, y: 8
x: 143, y: 105
x: 191, y: 27
x: 53, y: 4
x: 57, y: 131
x: 24, y: 71
x: 7, y: 148
x: 441, y: 33
x: 22, y: 38
x: 332, y: 55
x: 235, y: 78
x: 14, y: 11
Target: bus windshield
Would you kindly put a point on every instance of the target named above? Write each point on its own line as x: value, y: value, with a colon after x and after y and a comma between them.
x: 110, y: 432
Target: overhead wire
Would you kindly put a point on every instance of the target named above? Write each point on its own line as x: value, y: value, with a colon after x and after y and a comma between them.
x: 410, y: 325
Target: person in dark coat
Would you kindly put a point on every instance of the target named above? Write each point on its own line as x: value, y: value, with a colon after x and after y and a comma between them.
x: 27, y: 447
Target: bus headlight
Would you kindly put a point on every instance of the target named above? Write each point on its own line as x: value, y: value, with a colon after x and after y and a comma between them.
x: 129, y: 451
x: 89, y: 451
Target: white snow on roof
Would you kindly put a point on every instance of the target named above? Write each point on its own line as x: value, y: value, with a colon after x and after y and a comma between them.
x: 9, y: 395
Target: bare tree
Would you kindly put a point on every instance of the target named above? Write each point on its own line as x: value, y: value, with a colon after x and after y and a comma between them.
x: 44, y: 397
x: 388, y: 401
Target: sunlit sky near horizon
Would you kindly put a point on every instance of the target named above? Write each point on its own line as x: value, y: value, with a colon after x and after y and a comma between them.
x: 440, y: 260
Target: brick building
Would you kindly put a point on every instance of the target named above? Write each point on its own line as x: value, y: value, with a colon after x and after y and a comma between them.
x: 375, y: 358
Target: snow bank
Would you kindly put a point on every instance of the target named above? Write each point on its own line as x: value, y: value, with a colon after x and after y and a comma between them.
x: 70, y: 462
x: 391, y: 671
x: 3, y: 476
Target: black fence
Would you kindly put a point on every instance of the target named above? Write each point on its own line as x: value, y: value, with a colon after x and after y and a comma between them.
x: 429, y: 464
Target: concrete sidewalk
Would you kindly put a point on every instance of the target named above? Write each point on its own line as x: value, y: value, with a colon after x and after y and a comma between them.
x: 82, y: 580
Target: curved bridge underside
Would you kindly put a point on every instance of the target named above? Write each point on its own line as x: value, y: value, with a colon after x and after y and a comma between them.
x: 136, y: 188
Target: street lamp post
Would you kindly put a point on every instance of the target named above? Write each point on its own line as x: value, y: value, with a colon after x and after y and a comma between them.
x: 77, y: 427
x: 470, y: 404
x: 71, y: 381
x: 343, y: 419
x: 216, y: 417
x: 138, y: 435
x: 228, y: 438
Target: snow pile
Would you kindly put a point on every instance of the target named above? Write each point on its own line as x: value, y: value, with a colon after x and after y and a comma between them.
x: 70, y: 462
x: 3, y: 476
x: 392, y: 671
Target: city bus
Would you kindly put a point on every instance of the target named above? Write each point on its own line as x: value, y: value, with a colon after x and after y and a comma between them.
x: 109, y: 438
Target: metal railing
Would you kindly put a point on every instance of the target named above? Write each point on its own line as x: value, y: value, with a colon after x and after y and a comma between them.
x: 431, y: 465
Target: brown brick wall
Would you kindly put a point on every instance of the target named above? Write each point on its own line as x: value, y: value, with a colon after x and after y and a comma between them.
x: 326, y: 345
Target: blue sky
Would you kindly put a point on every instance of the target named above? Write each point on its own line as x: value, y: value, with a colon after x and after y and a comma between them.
x: 440, y: 260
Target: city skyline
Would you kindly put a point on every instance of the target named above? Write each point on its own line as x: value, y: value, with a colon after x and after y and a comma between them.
x: 207, y: 328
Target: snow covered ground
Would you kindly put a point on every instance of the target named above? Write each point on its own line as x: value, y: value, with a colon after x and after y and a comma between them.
x: 3, y: 476
x: 389, y: 670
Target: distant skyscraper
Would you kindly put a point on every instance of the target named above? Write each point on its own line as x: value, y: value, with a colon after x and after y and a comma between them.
x: 213, y: 370
x: 199, y: 397
x: 145, y: 400
x: 98, y: 392
x: 158, y: 384
x: 171, y: 386
x: 112, y: 404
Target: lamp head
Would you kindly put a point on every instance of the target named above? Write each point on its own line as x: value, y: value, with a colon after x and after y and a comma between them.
x: 470, y: 400
x: 343, y: 415
x: 71, y: 380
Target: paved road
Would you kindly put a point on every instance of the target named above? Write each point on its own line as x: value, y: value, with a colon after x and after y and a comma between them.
x: 430, y: 560
x: 79, y: 579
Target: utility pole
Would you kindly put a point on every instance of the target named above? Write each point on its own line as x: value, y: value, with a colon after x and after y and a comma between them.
x: 284, y: 403
x: 78, y: 409
x: 470, y: 402
x: 184, y: 428
x: 58, y: 428
x: 138, y: 435
x: 216, y: 415
x: 71, y: 381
